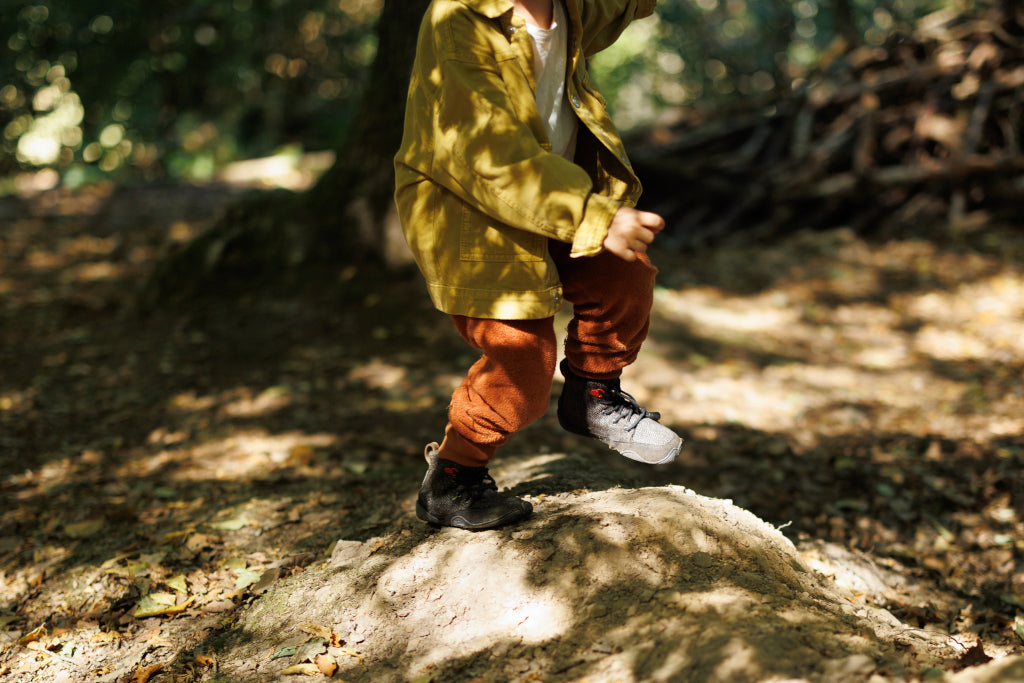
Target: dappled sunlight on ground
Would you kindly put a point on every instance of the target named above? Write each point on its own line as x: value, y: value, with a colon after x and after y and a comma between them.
x: 808, y: 350
x: 864, y: 392
x: 243, y: 456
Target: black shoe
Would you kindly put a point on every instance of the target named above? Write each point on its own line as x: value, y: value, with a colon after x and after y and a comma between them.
x: 465, y: 497
x: 600, y: 409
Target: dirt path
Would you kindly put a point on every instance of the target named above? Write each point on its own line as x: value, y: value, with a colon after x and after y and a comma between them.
x: 160, y: 477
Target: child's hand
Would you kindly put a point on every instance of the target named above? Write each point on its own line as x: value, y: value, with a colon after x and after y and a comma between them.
x: 631, y: 231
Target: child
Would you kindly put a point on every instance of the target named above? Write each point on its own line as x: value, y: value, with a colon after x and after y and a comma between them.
x: 515, y: 191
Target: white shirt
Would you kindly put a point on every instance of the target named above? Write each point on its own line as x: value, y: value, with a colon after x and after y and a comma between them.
x: 550, y: 47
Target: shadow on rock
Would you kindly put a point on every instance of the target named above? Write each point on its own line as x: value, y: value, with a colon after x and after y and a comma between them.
x: 656, y: 584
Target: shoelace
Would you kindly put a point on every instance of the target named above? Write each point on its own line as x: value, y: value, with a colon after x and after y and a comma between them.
x: 471, y: 490
x: 625, y: 407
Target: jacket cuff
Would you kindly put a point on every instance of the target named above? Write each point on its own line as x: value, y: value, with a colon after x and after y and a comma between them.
x: 645, y: 8
x: 597, y: 216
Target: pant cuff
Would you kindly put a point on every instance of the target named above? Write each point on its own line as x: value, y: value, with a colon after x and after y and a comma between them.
x: 461, y: 450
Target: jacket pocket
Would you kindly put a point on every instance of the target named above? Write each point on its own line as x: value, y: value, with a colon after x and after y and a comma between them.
x: 483, y: 239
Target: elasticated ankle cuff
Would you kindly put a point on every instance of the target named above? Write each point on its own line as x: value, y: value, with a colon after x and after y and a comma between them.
x: 458, y: 448
x: 566, y: 366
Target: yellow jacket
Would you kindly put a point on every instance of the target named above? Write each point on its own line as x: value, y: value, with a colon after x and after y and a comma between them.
x: 478, y: 190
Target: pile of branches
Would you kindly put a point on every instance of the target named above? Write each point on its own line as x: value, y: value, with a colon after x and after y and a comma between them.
x: 925, y: 127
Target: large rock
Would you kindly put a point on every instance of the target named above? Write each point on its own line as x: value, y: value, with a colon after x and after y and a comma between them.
x: 656, y: 584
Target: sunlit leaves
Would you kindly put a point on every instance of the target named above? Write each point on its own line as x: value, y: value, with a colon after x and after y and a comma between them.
x: 101, y: 24
x: 732, y: 49
x: 181, y: 66
x: 160, y: 604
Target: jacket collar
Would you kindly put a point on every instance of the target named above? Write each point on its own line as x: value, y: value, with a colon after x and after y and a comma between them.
x: 502, y: 9
x: 491, y: 9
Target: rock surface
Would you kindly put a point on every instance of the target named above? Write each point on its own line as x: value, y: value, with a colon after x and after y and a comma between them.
x: 653, y: 584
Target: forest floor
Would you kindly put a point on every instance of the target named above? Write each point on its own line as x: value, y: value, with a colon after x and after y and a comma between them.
x: 160, y: 473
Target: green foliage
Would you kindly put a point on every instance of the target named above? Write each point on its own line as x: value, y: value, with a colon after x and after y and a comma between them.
x: 179, y: 87
x: 717, y: 52
x: 176, y: 86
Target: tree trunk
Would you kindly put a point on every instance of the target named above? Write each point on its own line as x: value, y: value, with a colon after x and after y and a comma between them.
x: 347, y: 216
x: 352, y: 206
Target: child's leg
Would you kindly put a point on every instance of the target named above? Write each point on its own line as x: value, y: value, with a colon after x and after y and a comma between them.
x: 611, y: 301
x: 506, y: 389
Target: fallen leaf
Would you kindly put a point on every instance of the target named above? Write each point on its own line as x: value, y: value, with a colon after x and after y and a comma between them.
x: 324, y: 632
x: 177, y: 583
x: 105, y: 637
x: 153, y: 638
x: 152, y: 559
x: 246, y: 578
x: 326, y: 664
x: 231, y: 524
x: 349, y: 652
x: 165, y: 599
x: 304, y: 669
x: 144, y: 674
x: 89, y: 527
x: 204, y: 660
x: 267, y: 579
x: 1018, y: 627
x: 172, y: 536
x: 310, y: 649
x: 287, y: 651
x: 301, y: 455
x: 975, y: 656
x: 158, y: 604
x: 33, y: 635
x: 197, y: 542
x: 235, y: 563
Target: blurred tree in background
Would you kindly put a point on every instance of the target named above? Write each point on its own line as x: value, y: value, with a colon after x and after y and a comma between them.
x: 176, y: 87
x: 179, y: 87
x: 721, y: 53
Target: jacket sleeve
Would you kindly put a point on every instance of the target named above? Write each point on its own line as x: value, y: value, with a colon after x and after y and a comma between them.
x: 605, y: 20
x: 494, y: 161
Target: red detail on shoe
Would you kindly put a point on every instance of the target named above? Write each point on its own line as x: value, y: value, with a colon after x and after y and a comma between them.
x: 597, y: 393
x: 451, y: 471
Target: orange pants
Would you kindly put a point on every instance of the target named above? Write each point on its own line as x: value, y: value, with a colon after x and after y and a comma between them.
x: 510, y: 385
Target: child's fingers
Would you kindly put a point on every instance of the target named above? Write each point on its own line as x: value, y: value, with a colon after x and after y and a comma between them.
x: 651, y: 221
x: 621, y: 247
x: 645, y: 235
x: 631, y: 232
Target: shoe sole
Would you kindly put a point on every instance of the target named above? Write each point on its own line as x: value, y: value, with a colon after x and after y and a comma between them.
x: 462, y: 523
x: 632, y: 455
x: 669, y: 457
